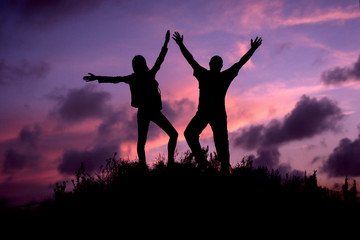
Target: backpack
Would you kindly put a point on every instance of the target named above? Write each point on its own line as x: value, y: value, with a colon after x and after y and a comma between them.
x: 145, y: 92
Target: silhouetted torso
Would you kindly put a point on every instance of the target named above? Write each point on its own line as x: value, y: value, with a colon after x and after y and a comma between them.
x: 144, y: 90
x: 213, y: 87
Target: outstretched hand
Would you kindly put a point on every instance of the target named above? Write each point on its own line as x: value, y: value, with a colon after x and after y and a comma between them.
x: 178, y: 39
x: 90, y: 78
x: 255, y: 44
x: 167, y: 36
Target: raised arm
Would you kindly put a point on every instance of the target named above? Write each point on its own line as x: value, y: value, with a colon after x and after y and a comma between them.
x: 162, y: 54
x: 179, y: 40
x: 105, y: 79
x: 254, y: 45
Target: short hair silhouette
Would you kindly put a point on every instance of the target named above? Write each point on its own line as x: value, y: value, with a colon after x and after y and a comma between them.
x: 216, y: 63
x: 213, y: 85
x: 139, y: 64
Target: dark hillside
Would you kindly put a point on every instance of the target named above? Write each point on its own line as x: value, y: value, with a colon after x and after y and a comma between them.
x: 127, y: 192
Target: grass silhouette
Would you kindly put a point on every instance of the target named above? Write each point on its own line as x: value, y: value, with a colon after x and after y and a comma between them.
x: 125, y: 190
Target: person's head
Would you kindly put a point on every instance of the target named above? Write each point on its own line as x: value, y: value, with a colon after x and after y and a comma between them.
x: 216, y: 63
x: 139, y: 64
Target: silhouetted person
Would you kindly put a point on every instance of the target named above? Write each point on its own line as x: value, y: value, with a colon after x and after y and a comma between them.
x: 213, y: 85
x: 146, y: 97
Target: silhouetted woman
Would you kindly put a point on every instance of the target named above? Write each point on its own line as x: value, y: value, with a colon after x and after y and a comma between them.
x: 146, y: 97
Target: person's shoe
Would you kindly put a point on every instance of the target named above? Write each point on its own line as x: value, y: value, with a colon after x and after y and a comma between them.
x: 143, y: 166
x: 225, y: 169
x: 203, y: 164
x: 170, y: 163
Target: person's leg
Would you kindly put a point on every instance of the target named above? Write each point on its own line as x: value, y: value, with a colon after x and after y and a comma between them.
x: 221, y: 141
x: 192, y: 133
x: 143, y: 121
x: 164, y: 124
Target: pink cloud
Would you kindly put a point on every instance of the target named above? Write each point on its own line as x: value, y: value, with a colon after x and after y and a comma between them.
x: 321, y: 15
x: 263, y: 102
x: 240, y: 48
x: 245, y: 17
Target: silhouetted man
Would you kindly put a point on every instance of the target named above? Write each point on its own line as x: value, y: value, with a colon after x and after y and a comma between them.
x: 213, y: 85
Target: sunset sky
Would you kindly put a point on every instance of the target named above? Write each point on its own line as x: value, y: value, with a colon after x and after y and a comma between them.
x: 294, y: 106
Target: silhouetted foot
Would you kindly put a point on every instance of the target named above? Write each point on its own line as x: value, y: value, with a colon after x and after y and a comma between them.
x: 170, y: 163
x: 203, y: 164
x: 225, y: 169
x: 143, y: 166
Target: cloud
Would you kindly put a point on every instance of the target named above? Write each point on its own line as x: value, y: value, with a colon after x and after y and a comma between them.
x: 92, y: 159
x: 29, y: 136
x: 46, y: 13
x: 87, y: 103
x: 23, y: 151
x: 118, y: 125
x: 344, y: 160
x: 282, y: 47
x: 341, y: 75
x: 250, y: 16
x: 241, y: 49
x: 24, y: 70
x: 16, y: 160
x: 269, y: 157
x: 250, y: 138
x: 321, y: 15
x: 310, y: 117
x: 177, y: 110
x: 80, y: 104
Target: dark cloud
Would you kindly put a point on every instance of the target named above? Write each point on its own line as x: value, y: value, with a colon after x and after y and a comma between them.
x: 269, y: 157
x: 71, y: 160
x: 24, y: 70
x: 120, y: 125
x: 344, y: 160
x: 176, y: 110
x: 81, y: 104
x: 250, y: 138
x: 48, y: 12
x: 282, y: 47
x: 317, y: 159
x: 341, y: 75
x: 14, y: 159
x: 117, y: 126
x: 309, y: 118
x: 23, y: 151
x: 29, y: 136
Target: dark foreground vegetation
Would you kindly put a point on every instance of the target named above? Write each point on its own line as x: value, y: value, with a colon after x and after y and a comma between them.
x: 124, y: 190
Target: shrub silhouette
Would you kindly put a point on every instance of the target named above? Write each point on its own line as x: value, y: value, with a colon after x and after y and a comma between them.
x: 127, y: 189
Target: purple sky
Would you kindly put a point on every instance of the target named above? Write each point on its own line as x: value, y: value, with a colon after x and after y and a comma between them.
x: 294, y: 105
